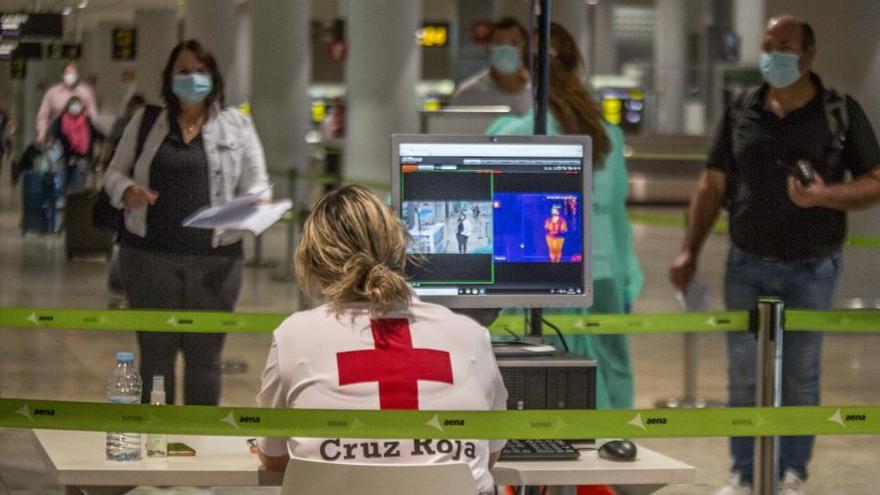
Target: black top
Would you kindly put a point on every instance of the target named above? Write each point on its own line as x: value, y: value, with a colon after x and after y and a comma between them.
x: 757, y: 150
x: 179, y: 173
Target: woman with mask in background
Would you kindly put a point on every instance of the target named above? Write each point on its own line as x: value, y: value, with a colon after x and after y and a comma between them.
x: 77, y: 134
x: 617, y: 278
x: 196, y: 153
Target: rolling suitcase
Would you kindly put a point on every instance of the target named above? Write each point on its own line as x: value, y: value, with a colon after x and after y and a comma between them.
x: 41, y: 191
x: 81, y: 237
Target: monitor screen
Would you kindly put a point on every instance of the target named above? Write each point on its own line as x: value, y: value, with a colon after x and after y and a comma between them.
x: 496, y: 222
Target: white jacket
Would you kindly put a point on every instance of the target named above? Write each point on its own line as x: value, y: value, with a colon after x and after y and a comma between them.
x: 236, y: 164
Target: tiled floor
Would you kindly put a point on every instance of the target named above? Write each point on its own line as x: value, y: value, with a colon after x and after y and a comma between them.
x: 72, y: 365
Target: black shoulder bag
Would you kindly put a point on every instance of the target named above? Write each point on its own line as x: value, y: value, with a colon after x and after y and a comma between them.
x: 105, y: 216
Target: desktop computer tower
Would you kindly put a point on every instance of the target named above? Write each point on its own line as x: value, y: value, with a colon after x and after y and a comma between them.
x: 558, y: 381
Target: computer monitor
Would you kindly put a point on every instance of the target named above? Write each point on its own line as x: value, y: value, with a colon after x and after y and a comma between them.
x: 496, y: 221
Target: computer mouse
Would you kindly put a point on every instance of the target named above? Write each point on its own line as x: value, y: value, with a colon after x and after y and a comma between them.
x: 619, y: 450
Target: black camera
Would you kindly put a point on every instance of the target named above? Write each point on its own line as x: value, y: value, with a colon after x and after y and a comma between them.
x: 803, y: 171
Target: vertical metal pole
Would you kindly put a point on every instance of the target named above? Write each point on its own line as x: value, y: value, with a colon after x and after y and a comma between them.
x: 690, y: 369
x: 768, y: 389
x: 542, y: 78
x: 258, y: 250
x: 287, y: 274
x: 542, y: 95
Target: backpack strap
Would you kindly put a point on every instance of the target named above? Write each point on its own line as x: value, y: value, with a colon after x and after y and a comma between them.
x: 738, y: 109
x: 837, y: 116
x: 151, y: 113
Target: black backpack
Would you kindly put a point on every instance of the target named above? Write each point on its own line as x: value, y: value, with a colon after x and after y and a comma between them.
x: 105, y: 216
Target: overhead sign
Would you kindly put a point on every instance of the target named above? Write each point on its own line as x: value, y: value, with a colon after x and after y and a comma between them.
x: 124, y: 44
x: 32, y: 51
x: 21, y: 25
x: 433, y: 34
x: 66, y: 51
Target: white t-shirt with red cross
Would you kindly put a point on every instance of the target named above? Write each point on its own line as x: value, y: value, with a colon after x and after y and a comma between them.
x: 421, y: 357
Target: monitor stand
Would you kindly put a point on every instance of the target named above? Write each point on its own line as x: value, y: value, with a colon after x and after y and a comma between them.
x: 532, y: 344
x: 535, y: 332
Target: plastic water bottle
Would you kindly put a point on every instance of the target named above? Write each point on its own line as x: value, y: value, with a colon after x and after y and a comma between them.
x: 157, y: 443
x: 124, y: 387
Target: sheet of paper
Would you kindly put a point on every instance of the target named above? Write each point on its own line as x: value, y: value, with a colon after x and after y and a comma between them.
x: 696, y: 298
x: 243, y: 213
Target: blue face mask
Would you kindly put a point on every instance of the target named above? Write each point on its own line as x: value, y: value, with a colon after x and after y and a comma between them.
x: 780, y: 69
x: 192, y: 88
x: 505, y: 58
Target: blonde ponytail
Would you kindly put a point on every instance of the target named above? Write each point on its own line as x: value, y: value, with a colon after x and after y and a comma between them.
x: 354, y: 247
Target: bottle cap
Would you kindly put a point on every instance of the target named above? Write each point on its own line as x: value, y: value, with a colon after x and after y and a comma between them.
x: 125, y: 357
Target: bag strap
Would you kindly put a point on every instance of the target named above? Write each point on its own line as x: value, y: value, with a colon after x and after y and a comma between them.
x: 738, y: 109
x: 151, y: 113
x: 837, y: 116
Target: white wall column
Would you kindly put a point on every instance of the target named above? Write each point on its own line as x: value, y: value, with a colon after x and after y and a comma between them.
x: 749, y: 20
x: 281, y: 72
x: 214, y: 24
x: 572, y: 15
x: 601, y: 58
x: 241, y: 77
x: 156, y: 37
x: 381, y: 74
x: 670, y: 64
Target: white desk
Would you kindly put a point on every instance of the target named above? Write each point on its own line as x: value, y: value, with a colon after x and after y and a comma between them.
x: 76, y: 459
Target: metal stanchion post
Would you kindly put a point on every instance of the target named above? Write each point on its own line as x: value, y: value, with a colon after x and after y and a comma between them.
x: 257, y: 261
x: 769, y: 325
x: 287, y: 274
x: 689, y: 399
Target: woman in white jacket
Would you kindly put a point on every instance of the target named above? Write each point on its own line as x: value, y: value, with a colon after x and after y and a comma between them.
x: 193, y: 154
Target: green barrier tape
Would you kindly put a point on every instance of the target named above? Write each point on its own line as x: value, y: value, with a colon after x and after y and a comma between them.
x: 328, y: 179
x: 630, y: 324
x: 214, y: 322
x: 669, y: 220
x: 537, y: 424
x: 862, y: 241
x: 677, y: 157
x: 861, y: 321
x: 147, y: 321
x: 849, y: 321
x: 721, y: 227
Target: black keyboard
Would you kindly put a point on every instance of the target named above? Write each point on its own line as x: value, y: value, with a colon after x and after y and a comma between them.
x: 539, y: 450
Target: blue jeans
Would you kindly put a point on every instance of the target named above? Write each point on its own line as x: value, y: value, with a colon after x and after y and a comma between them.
x: 803, y: 284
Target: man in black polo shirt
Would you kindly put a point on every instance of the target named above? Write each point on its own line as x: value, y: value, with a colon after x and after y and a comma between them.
x: 786, y: 236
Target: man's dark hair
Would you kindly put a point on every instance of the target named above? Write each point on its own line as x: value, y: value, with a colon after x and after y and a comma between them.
x: 509, y: 23
x: 205, y: 57
x: 808, y: 36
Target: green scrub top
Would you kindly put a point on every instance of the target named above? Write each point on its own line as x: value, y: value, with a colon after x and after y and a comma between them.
x: 617, y: 277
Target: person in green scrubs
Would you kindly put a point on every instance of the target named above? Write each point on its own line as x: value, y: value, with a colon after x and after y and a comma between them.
x: 617, y: 278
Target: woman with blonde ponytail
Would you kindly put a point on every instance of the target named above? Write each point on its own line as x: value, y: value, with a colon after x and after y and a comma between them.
x: 374, y: 344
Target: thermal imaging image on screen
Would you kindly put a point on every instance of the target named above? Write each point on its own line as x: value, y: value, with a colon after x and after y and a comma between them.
x: 538, y: 228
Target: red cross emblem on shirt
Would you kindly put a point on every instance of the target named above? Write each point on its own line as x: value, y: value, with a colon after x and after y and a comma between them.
x: 395, y: 364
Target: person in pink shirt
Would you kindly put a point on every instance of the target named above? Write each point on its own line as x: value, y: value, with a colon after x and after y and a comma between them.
x: 57, y: 96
